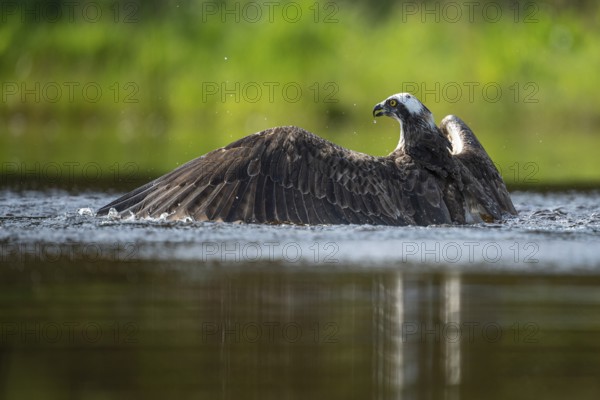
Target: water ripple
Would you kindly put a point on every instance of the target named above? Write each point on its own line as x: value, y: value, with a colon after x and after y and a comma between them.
x: 553, y: 232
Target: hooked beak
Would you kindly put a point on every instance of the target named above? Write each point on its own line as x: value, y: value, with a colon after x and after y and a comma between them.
x: 379, y: 110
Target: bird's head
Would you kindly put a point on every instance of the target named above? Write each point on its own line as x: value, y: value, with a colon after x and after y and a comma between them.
x: 405, y: 108
x: 412, y: 115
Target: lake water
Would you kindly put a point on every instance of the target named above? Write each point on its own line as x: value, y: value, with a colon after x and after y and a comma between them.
x: 102, y: 308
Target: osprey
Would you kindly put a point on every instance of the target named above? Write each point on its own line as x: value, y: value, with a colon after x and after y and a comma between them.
x: 436, y: 175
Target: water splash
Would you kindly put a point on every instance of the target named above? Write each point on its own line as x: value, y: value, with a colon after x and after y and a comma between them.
x: 554, y: 231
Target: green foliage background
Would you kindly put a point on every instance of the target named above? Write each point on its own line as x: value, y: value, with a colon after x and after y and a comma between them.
x: 154, y: 63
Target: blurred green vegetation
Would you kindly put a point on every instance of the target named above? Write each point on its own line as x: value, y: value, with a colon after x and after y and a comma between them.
x: 105, y: 89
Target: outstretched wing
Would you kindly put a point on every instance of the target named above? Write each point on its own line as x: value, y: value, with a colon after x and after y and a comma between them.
x: 482, y: 180
x: 288, y: 175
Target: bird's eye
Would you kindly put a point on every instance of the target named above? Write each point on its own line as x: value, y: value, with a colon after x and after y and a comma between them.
x: 393, y: 102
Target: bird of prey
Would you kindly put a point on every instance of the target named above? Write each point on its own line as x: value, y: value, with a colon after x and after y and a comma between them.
x: 286, y: 175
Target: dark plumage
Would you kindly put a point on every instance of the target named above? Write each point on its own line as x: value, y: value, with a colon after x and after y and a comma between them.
x: 288, y: 175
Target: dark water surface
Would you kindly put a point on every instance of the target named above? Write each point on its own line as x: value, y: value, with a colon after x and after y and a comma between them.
x: 102, y: 308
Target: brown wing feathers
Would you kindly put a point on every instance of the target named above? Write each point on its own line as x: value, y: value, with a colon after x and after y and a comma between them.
x: 288, y: 175
x: 279, y: 175
x: 481, y: 178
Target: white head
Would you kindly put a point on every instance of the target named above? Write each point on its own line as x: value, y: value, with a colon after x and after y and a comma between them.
x: 403, y: 106
x: 408, y: 111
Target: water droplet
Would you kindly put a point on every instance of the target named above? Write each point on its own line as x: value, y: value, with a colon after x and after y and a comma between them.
x: 85, y: 211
